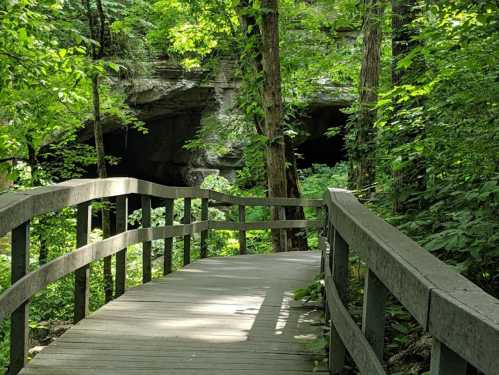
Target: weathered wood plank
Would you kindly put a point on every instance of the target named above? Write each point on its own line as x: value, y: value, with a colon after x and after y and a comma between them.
x: 242, y: 233
x: 204, y: 233
x: 263, y: 225
x: 168, y: 245
x: 460, y: 321
x: 147, y: 245
x: 187, y: 237
x: 373, y: 313
x: 82, y: 275
x: 441, y: 300
x: 121, y: 256
x: 216, y: 316
x: 339, y: 271
x: 16, y: 208
x: 445, y: 362
x: 351, y: 336
x: 19, y: 329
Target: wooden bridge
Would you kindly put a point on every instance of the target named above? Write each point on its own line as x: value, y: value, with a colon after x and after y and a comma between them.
x: 235, y: 315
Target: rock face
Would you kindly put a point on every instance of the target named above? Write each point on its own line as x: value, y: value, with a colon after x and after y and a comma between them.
x: 174, y: 104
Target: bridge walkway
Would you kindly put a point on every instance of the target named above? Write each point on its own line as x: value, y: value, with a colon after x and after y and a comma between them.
x: 231, y: 315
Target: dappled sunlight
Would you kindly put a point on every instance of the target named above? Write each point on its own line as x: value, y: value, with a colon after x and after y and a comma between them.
x: 210, y: 317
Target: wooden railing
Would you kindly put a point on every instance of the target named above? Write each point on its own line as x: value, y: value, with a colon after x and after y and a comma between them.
x: 17, y: 209
x: 462, y: 319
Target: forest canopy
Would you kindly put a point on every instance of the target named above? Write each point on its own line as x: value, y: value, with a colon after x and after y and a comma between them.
x: 418, y: 83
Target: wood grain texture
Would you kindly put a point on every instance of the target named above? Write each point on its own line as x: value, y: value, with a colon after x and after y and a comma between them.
x: 232, y: 315
x: 440, y: 299
x: 17, y: 208
x: 351, y: 336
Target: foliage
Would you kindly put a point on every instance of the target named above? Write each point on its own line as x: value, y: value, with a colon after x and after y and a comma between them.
x: 313, y: 292
x: 452, y: 106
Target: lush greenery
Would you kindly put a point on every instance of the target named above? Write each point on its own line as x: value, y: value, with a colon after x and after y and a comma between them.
x: 439, y: 122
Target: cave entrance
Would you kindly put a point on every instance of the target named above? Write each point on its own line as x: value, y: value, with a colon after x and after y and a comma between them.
x: 316, y: 147
x: 159, y: 155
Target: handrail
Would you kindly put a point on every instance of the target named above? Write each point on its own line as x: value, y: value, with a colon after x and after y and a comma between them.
x: 18, y: 208
x: 461, y: 317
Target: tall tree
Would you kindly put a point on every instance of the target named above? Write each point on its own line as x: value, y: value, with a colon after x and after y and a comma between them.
x: 253, y: 39
x: 272, y: 106
x: 98, y: 29
x: 363, y: 155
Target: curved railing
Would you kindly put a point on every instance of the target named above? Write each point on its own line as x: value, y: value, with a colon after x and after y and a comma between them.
x: 462, y: 319
x: 17, y: 209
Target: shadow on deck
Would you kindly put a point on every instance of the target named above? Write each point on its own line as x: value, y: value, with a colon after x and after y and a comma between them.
x: 233, y: 315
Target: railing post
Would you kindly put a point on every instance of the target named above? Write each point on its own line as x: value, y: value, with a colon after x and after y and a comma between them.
x: 373, y: 313
x: 187, y: 237
x: 204, y: 233
x: 242, y: 233
x: 339, y: 271
x: 82, y: 275
x: 444, y: 361
x: 121, y: 256
x: 146, y: 246
x: 19, y: 331
x: 283, y: 233
x: 167, y: 255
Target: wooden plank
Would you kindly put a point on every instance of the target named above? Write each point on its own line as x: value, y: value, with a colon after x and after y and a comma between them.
x: 19, y: 329
x: 265, y: 202
x: 187, y: 237
x: 264, y: 225
x: 283, y: 234
x: 242, y: 233
x: 445, y: 362
x: 204, y: 233
x: 194, y: 321
x: 121, y: 256
x: 459, y: 321
x: 432, y: 292
x: 35, y: 281
x: 339, y: 271
x: 16, y: 208
x: 82, y: 275
x: 373, y: 313
x: 147, y: 245
x: 168, y: 244
x: 351, y: 336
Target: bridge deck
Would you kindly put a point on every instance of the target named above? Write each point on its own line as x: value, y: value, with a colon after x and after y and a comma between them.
x: 232, y: 315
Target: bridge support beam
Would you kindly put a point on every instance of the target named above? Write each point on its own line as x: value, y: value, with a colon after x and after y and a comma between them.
x: 82, y: 275
x: 204, y: 233
x: 168, y: 244
x: 242, y: 233
x: 187, y: 237
x: 373, y: 313
x: 339, y: 264
x: 283, y: 233
x: 121, y: 256
x: 445, y: 362
x: 19, y: 331
x: 146, y: 246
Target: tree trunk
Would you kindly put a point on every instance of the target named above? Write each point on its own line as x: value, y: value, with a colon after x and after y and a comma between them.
x: 297, y: 239
x: 102, y: 173
x: 411, y: 178
x: 272, y: 106
x: 365, y: 147
x: 97, y: 53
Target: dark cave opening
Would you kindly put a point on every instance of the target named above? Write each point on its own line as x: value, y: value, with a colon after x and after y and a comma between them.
x: 316, y: 147
x: 158, y: 155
